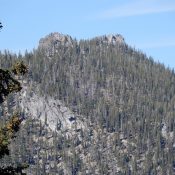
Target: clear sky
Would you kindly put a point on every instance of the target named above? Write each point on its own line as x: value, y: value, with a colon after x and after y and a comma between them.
x: 147, y: 25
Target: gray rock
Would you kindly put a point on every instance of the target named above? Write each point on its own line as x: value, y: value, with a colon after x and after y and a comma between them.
x: 53, y: 41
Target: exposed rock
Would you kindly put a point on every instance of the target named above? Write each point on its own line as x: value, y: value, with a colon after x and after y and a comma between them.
x: 111, y: 39
x: 49, y: 112
x: 114, y: 39
x: 51, y: 42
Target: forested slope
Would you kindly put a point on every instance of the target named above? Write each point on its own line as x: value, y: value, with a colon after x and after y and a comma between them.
x: 125, y: 101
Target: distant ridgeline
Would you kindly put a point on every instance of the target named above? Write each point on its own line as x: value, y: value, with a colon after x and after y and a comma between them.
x: 52, y: 42
x: 95, y: 106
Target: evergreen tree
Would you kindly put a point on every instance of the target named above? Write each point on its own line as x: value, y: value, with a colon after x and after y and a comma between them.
x: 9, y: 84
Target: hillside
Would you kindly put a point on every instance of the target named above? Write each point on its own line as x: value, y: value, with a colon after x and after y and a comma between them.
x: 94, y: 106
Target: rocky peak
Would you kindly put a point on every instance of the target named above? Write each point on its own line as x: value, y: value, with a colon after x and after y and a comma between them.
x: 115, y: 38
x: 111, y: 39
x: 55, y: 39
x: 51, y: 42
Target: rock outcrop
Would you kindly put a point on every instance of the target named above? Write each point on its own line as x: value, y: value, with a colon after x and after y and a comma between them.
x: 110, y: 39
x: 53, y: 41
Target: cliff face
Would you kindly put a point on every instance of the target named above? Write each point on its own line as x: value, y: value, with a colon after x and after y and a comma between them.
x: 74, y: 135
x: 111, y: 39
x: 53, y: 41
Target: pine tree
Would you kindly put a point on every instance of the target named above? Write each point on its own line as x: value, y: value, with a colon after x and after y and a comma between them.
x: 9, y: 84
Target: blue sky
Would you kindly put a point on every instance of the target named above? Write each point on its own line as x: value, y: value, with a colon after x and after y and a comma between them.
x: 147, y: 25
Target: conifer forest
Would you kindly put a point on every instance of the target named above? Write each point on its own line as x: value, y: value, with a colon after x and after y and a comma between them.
x: 87, y: 107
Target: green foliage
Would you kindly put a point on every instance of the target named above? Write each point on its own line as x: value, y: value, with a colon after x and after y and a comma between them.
x: 9, y: 84
x: 120, y: 91
x: 13, y: 171
x: 19, y: 68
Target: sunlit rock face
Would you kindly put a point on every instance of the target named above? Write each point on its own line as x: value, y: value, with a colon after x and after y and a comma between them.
x: 111, y: 39
x: 53, y: 41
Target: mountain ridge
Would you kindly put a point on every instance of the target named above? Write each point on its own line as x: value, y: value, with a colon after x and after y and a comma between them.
x: 50, y: 43
x: 95, y: 108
